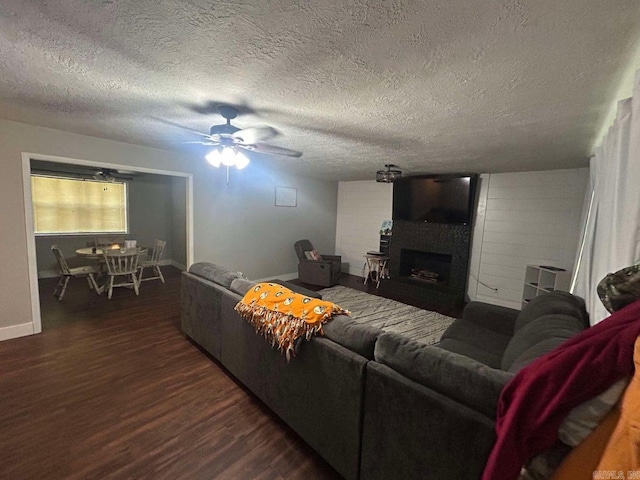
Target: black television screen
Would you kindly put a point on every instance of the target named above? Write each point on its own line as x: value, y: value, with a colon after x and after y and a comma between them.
x: 435, y: 198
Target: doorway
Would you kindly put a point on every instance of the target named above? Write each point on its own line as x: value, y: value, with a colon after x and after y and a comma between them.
x: 160, y: 205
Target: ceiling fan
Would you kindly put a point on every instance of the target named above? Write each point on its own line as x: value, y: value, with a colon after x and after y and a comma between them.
x: 112, y: 175
x: 227, y: 136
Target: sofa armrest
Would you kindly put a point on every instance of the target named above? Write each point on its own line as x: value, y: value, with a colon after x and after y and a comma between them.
x: 316, y: 263
x: 310, y: 266
x: 356, y: 337
x: 409, y: 431
x: 461, y: 378
x: 315, y: 272
x: 492, y: 317
x: 331, y: 258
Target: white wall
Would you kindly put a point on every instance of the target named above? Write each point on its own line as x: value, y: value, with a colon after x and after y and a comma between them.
x: 238, y: 227
x: 362, y: 206
x: 150, y: 212
x: 524, y: 218
x: 179, y: 222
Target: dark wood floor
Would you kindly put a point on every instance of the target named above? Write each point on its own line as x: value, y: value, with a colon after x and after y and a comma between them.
x: 111, y: 389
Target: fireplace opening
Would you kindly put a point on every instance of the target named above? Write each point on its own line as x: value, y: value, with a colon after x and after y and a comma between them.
x: 427, y: 267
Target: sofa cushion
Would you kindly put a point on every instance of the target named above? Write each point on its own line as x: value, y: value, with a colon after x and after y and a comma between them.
x: 214, y: 273
x: 241, y: 285
x: 538, y: 337
x: 356, y: 337
x: 490, y: 359
x: 474, y: 338
x: 552, y: 302
x: 467, y: 381
x: 491, y: 317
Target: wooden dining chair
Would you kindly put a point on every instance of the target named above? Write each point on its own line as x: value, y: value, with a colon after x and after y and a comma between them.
x: 66, y: 273
x: 153, y: 262
x: 122, y: 264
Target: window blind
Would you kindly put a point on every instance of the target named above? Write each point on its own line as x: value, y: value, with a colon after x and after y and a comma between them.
x: 69, y: 205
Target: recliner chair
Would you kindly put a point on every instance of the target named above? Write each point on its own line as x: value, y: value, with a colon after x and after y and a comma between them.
x: 324, y: 273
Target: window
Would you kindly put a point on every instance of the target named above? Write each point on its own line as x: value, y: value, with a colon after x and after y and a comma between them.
x: 71, y: 206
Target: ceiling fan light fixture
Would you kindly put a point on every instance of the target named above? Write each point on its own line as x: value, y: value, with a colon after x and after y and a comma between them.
x: 390, y: 175
x: 214, y: 157
x: 241, y: 160
x: 227, y: 156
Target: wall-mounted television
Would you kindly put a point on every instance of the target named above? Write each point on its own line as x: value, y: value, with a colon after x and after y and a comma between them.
x: 435, y: 198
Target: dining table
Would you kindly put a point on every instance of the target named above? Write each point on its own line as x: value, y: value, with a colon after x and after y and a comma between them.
x: 94, y: 253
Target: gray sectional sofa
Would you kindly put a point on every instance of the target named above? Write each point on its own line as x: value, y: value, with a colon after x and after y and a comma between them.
x: 373, y: 404
x: 319, y: 394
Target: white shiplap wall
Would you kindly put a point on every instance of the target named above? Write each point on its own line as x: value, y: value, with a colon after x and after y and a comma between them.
x: 362, y: 206
x: 524, y: 218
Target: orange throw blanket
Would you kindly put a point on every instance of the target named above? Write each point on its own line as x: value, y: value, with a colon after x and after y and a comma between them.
x: 283, y: 316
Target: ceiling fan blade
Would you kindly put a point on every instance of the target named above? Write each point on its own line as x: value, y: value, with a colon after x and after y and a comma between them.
x: 177, y: 125
x: 253, y: 135
x: 208, y: 144
x: 272, y: 150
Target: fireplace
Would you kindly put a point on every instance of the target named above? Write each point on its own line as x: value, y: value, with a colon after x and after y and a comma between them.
x: 428, y: 267
x: 440, y: 248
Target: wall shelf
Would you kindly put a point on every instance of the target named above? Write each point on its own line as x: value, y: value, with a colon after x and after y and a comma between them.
x: 539, y: 279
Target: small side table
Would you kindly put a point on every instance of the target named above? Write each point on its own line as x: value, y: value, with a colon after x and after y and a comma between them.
x: 377, y: 265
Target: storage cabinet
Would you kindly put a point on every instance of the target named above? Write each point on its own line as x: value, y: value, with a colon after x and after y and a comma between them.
x: 541, y: 278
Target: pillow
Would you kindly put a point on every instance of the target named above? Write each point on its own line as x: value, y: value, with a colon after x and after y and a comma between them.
x: 312, y: 255
x: 617, y: 290
x: 549, y: 303
x: 583, y: 419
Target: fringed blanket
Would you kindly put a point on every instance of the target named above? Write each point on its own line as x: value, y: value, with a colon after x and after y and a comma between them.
x: 283, y: 316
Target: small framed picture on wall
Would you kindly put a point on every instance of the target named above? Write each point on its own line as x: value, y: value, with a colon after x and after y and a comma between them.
x: 286, y: 197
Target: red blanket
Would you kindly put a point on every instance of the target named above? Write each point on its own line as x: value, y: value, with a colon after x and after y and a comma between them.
x: 535, y: 402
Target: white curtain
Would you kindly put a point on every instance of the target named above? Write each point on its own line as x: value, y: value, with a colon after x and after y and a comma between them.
x: 611, y: 222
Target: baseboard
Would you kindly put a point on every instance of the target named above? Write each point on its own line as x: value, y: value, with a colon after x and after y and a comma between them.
x: 354, y: 271
x: 175, y: 264
x: 48, y: 274
x: 282, y: 276
x: 15, y: 331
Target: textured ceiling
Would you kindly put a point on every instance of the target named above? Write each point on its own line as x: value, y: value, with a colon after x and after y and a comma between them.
x: 433, y: 86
